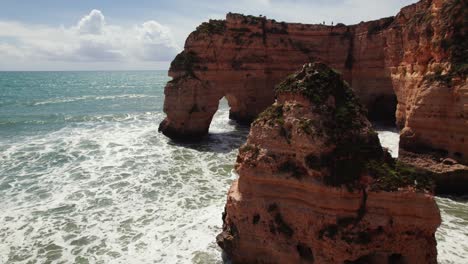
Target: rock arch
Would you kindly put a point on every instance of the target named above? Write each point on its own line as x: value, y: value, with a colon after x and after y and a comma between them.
x: 244, y: 57
x: 404, y: 56
x: 190, y: 104
x: 382, y: 109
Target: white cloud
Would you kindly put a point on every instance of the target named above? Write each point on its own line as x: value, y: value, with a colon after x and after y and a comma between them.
x: 94, y: 40
x: 92, y: 24
x: 90, y: 40
x: 156, y: 41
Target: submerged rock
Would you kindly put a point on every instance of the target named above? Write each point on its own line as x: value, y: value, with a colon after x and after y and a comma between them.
x: 315, y: 185
x: 449, y: 176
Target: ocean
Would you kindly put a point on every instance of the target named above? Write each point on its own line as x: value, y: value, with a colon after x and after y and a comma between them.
x: 85, y: 177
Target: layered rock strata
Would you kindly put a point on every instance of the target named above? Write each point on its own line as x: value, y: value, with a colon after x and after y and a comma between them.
x: 315, y: 185
x: 416, y: 59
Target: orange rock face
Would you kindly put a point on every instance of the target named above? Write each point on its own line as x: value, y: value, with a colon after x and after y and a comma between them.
x: 427, y: 61
x: 414, y: 59
x: 315, y: 185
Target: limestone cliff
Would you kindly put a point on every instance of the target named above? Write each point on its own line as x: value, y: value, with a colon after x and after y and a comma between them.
x: 427, y: 55
x: 243, y: 57
x: 417, y: 59
x: 315, y: 186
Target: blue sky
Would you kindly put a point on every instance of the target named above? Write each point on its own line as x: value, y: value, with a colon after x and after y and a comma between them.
x: 141, y: 34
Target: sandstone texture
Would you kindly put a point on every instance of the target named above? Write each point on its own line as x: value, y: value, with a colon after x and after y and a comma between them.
x: 416, y: 59
x: 315, y: 185
x: 427, y: 58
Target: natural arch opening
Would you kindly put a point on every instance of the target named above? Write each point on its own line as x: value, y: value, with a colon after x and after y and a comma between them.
x: 222, y: 123
x: 382, y: 110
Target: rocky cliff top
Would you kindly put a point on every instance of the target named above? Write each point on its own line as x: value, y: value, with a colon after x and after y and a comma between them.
x: 315, y: 185
x: 409, y: 69
x: 329, y: 96
x: 317, y: 116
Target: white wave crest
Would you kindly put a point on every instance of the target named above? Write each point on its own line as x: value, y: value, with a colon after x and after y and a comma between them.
x: 90, y: 97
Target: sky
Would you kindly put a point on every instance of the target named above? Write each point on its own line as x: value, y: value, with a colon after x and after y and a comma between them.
x: 142, y: 34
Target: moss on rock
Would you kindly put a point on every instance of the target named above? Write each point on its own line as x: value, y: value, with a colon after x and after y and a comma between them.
x: 452, y: 38
x: 341, y: 122
x: 455, y: 15
x: 390, y: 176
x: 185, y: 61
x: 320, y: 83
x: 379, y: 25
x: 271, y: 116
x: 212, y: 27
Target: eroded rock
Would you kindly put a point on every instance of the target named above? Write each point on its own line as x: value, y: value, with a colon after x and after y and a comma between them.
x: 315, y: 185
x: 416, y: 59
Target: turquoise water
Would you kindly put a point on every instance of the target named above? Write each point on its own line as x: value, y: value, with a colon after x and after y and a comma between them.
x: 40, y: 102
x: 85, y: 177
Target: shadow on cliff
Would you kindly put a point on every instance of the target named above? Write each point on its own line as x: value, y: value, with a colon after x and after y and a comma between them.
x: 460, y: 199
x: 219, y: 142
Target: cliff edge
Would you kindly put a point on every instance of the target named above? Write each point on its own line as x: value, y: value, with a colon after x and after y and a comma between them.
x: 409, y: 69
x: 315, y: 185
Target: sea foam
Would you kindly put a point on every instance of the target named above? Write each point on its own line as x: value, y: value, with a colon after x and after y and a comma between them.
x: 112, y: 189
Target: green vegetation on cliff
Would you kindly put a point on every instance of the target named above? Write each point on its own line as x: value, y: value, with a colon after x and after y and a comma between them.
x: 455, y: 18
x: 379, y: 25
x: 247, y: 19
x: 342, y: 121
x: 212, y: 27
x: 452, y: 38
x: 392, y: 175
x: 319, y: 83
x: 272, y: 115
x: 185, y: 61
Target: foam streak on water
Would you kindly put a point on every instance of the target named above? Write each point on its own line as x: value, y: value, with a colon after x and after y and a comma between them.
x: 389, y: 138
x: 115, y: 191
x: 85, y: 177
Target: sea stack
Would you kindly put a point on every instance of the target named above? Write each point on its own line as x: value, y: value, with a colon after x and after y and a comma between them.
x: 409, y: 70
x: 315, y: 185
